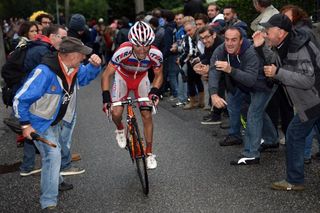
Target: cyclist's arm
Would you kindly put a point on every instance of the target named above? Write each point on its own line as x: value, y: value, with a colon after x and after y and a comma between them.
x: 158, y: 77
x: 106, y: 77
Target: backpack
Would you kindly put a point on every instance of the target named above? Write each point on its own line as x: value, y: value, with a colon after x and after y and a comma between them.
x: 13, y: 73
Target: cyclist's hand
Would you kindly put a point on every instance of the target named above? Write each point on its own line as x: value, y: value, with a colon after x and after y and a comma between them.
x: 107, y: 108
x: 154, y: 95
x: 154, y: 99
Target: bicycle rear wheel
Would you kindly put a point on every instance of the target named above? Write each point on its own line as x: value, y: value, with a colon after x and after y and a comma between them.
x: 140, y: 159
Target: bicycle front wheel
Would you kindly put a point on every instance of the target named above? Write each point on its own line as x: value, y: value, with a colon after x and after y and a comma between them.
x: 140, y: 159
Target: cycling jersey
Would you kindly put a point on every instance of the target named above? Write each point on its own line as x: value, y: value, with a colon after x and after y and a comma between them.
x: 127, y: 64
x: 132, y: 73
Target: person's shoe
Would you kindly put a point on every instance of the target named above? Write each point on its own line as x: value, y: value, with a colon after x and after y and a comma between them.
x: 31, y: 172
x: 50, y: 209
x: 284, y: 185
x: 65, y: 186
x: 151, y: 161
x: 225, y: 124
x: 172, y: 98
x: 75, y: 157
x: 245, y: 161
x: 264, y: 146
x: 307, y: 161
x: 215, y: 119
x: 178, y: 104
x: 207, y: 117
x: 230, y: 141
x: 72, y: 171
x: 121, y: 138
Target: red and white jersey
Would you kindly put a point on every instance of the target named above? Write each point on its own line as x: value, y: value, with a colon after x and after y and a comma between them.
x: 127, y: 64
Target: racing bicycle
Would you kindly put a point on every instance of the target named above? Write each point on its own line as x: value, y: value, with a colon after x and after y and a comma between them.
x: 135, y: 144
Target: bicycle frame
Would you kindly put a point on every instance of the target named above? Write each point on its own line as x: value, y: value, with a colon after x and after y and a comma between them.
x: 135, y: 144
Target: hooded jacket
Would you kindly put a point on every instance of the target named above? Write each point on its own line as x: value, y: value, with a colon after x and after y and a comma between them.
x: 39, y: 100
x: 296, y: 74
x: 246, y: 70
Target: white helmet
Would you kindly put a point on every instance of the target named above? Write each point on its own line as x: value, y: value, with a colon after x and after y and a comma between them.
x: 141, y: 34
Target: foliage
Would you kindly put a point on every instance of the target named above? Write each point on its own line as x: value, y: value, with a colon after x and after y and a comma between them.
x: 116, y: 9
x: 247, y: 12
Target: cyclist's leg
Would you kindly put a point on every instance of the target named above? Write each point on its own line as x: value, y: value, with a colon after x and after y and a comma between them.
x: 119, y: 92
x: 145, y: 109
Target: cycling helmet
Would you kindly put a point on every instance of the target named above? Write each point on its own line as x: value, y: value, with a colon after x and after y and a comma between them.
x: 141, y: 34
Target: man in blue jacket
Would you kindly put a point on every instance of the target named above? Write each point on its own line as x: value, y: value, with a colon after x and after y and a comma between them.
x: 244, y: 79
x: 46, y: 104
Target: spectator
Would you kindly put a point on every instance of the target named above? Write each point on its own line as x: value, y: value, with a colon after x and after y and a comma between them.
x: 78, y: 29
x: 231, y: 20
x: 291, y: 64
x: 266, y: 10
x: 46, y: 44
x: 27, y: 32
x: 244, y: 78
x: 301, y: 20
x: 44, y: 19
x: 177, y: 47
x: 211, y: 41
x: 190, y: 56
x: 215, y: 17
x: 40, y: 109
x: 122, y: 35
x: 170, y: 68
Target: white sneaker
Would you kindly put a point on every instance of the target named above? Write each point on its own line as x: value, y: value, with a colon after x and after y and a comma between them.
x: 121, y: 138
x: 151, y: 161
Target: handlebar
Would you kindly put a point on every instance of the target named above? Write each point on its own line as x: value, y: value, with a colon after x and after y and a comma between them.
x: 129, y: 100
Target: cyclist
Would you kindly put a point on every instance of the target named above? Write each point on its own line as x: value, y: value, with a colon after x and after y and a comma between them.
x: 129, y: 66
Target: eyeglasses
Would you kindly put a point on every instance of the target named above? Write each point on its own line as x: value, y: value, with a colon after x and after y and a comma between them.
x: 205, y: 37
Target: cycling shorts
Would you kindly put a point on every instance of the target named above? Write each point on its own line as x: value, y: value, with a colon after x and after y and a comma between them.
x: 122, y: 85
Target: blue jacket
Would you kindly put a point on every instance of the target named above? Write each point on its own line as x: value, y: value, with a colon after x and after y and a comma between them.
x: 39, y: 100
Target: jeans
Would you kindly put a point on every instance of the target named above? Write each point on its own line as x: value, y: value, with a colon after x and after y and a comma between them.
x: 29, y: 155
x: 295, y: 143
x: 309, y: 140
x: 234, y: 107
x: 258, y: 123
x: 182, y: 89
x: 257, y: 120
x: 173, y: 71
x: 29, y: 150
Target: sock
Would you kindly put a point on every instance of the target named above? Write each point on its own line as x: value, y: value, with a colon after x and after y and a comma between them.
x: 149, y: 148
x: 120, y: 127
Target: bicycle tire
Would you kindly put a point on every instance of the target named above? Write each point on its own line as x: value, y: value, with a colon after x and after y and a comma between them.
x: 140, y: 159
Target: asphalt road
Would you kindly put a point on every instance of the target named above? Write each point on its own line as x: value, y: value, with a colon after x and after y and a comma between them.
x: 193, y: 173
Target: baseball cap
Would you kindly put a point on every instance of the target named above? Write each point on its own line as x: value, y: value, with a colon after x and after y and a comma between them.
x: 279, y: 20
x: 71, y: 45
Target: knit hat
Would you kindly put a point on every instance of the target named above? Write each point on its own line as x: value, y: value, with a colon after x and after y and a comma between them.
x: 77, y: 22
